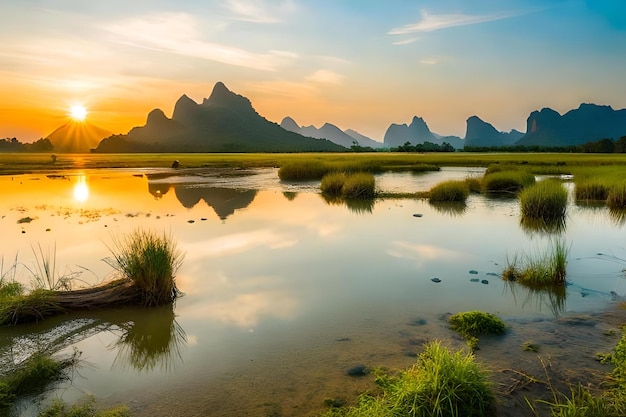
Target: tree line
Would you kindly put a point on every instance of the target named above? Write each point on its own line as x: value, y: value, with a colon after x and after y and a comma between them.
x: 14, y: 145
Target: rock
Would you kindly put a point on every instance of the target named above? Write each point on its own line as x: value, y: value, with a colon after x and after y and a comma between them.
x: 473, y: 272
x: 417, y: 215
x: 484, y: 281
x: 474, y: 280
x: 435, y: 280
x: 191, y: 221
x: 358, y: 370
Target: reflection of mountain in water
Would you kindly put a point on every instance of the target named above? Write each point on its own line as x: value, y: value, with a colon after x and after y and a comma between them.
x: 223, y: 200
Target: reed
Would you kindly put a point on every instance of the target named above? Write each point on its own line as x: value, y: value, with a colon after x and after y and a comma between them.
x: 507, y: 182
x: 332, y: 184
x: 150, y: 261
x: 545, y: 200
x: 361, y: 185
x: 616, y: 198
x: 450, y: 192
x: 544, y: 270
x: 305, y: 170
x: 593, y: 189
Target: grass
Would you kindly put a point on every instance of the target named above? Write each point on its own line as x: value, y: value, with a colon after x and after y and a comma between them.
x: 507, y: 182
x: 545, y: 200
x: 544, y: 270
x: 593, y: 189
x: 150, y: 261
x: 441, y: 383
x: 86, y: 409
x: 471, y: 324
x: 303, y: 170
x: 450, y: 191
x: 31, y: 377
x: 616, y: 198
x: 359, y: 185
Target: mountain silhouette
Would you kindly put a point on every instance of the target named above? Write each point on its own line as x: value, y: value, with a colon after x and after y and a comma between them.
x: 481, y: 133
x: 587, y: 123
x: 416, y: 133
x: 224, y: 122
x: 77, y: 137
x: 224, y: 201
x: 330, y: 132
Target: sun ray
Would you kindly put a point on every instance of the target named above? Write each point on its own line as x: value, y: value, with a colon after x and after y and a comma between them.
x: 78, y: 112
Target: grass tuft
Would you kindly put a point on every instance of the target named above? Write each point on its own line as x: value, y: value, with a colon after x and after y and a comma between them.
x: 548, y: 269
x: 471, y: 324
x: 507, y: 182
x: 545, y: 200
x: 450, y: 192
x: 616, y: 198
x: 150, y: 261
x: 359, y: 185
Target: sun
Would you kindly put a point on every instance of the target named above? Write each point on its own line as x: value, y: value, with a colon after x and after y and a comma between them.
x: 78, y: 112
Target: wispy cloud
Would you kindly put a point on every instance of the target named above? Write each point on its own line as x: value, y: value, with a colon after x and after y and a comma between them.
x: 429, y: 61
x: 257, y: 11
x: 325, y: 77
x: 178, y: 33
x: 431, y: 22
x: 405, y: 41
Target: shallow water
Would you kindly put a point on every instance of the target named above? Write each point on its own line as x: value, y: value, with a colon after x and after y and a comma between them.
x: 283, y: 291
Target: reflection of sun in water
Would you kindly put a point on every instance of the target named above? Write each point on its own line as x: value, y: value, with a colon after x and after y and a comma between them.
x: 78, y: 112
x: 81, y: 190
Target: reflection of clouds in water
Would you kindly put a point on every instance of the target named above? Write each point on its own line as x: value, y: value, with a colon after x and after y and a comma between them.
x: 408, y: 250
x: 237, y: 243
x: 240, y: 302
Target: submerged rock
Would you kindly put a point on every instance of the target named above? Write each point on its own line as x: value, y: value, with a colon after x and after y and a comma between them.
x: 473, y: 272
x: 417, y: 215
x: 435, y: 279
x: 358, y: 370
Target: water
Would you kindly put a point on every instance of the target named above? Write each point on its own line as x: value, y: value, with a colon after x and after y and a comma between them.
x: 283, y: 291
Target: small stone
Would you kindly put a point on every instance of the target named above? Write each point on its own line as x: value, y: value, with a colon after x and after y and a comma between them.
x: 203, y: 219
x: 417, y: 215
x: 343, y: 339
x: 358, y: 370
x: 491, y: 274
x: 484, y: 281
x: 473, y: 272
x: 474, y: 280
x: 435, y: 280
x: 191, y: 221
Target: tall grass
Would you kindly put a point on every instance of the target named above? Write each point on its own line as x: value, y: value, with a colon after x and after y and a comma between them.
x: 150, y: 261
x: 303, y: 170
x: 507, y: 182
x: 546, y: 269
x: 357, y: 185
x: 592, y: 189
x: 45, y: 273
x: 471, y: 324
x: 545, y: 200
x: 616, y: 198
x: 441, y: 383
x: 449, y: 191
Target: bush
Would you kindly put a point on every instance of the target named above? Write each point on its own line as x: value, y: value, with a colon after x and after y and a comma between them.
x: 449, y: 191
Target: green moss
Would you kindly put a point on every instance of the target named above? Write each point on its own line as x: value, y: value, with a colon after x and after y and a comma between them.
x: 60, y: 409
x: 472, y: 324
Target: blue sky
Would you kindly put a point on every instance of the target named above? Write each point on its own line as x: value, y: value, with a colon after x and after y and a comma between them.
x: 357, y: 64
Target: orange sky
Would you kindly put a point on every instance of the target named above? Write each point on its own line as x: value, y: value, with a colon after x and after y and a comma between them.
x: 367, y: 66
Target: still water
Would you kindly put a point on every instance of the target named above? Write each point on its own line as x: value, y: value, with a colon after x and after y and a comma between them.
x: 283, y: 291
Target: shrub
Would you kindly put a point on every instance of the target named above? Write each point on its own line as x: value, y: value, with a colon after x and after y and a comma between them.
x: 449, y: 191
x: 545, y: 200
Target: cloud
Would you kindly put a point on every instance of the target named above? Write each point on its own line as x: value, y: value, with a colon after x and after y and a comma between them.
x: 405, y: 41
x: 251, y: 11
x: 325, y: 77
x: 429, y: 61
x: 177, y: 33
x: 431, y: 22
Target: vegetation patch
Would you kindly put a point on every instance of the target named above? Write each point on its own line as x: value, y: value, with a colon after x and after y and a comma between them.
x: 545, y: 200
x: 86, y: 409
x: 359, y: 185
x: 507, y: 182
x: 449, y: 191
x: 303, y: 170
x: 472, y: 324
x: 441, y: 383
x: 593, y: 189
x: 545, y: 270
x: 616, y: 198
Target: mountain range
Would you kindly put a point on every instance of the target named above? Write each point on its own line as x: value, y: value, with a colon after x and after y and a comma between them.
x: 227, y: 122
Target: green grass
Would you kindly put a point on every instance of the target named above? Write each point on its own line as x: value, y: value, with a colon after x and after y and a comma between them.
x: 86, y: 409
x: 441, y: 383
x: 304, y: 170
x: 549, y: 268
x: 150, y: 261
x: 449, y: 191
x: 616, y: 198
x: 545, y: 200
x: 592, y: 189
x: 360, y: 185
x: 471, y: 324
x: 507, y: 182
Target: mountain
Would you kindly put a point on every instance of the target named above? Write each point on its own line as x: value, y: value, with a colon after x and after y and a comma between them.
x: 330, y: 132
x: 587, y: 123
x: 77, y: 137
x: 480, y: 133
x: 416, y: 133
x: 224, y: 122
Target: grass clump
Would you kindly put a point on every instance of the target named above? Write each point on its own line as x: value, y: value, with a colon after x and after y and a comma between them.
x: 471, y: 324
x: 546, y: 270
x: 150, y: 261
x: 441, y: 383
x: 357, y: 185
x: 507, y: 182
x: 449, y: 191
x: 303, y: 170
x: 592, y: 189
x: 87, y: 409
x: 616, y: 198
x: 545, y: 200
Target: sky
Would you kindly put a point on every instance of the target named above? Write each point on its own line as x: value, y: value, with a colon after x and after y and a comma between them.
x: 358, y: 64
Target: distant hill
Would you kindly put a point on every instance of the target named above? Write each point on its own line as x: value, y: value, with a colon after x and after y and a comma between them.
x: 224, y: 122
x: 77, y: 137
x: 480, y: 133
x: 416, y: 133
x: 330, y: 132
x: 587, y: 123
